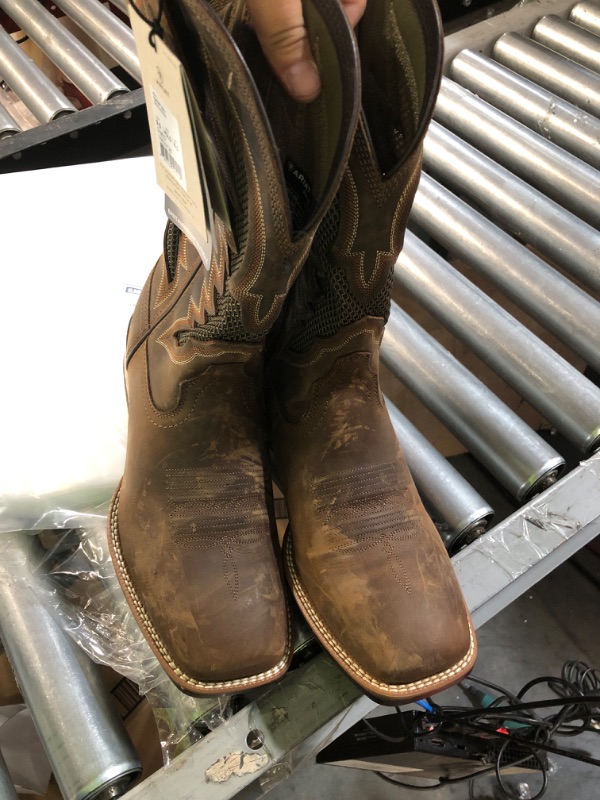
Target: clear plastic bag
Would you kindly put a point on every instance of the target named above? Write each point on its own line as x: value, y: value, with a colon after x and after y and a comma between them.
x: 76, y: 577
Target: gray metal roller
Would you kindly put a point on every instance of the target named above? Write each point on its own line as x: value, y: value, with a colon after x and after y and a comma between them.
x: 65, y: 50
x: 107, y: 30
x: 464, y: 512
x: 557, y: 174
x: 519, y: 459
x: 587, y: 15
x: 524, y: 211
x: 547, y: 295
x: 90, y: 752
x: 45, y: 101
x: 560, y: 392
x: 568, y: 40
x: 8, y: 126
x: 567, y: 79
x: 544, y: 112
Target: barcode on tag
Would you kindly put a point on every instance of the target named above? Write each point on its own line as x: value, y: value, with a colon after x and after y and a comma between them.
x: 170, y: 161
x: 170, y: 150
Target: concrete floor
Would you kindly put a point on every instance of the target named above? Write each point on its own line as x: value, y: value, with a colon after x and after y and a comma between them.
x: 554, y: 622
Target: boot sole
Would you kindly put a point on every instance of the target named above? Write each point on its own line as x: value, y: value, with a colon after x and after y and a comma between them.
x: 178, y: 676
x: 378, y: 691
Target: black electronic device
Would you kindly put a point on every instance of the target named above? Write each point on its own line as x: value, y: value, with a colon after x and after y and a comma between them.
x: 411, y: 744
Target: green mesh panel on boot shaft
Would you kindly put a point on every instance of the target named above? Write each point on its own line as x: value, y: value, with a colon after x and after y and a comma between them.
x: 224, y: 326
x: 321, y: 301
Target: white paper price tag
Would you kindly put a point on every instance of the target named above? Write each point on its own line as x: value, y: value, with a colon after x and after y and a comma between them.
x: 178, y: 162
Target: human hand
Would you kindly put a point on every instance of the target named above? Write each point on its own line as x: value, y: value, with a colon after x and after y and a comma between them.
x: 280, y: 28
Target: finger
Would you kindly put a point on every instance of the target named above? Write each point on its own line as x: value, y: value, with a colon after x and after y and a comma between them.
x: 284, y: 39
x: 354, y: 10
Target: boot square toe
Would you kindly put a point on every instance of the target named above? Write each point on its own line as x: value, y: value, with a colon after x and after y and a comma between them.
x: 397, y: 641
x: 214, y: 612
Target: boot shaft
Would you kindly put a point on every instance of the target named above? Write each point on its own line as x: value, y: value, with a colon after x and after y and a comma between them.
x: 349, y: 273
x: 278, y: 164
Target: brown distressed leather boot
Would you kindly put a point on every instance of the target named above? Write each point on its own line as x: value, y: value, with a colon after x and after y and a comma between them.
x: 364, y: 560
x: 191, y: 527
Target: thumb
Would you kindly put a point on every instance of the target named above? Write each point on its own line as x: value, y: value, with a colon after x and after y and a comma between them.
x: 283, y: 37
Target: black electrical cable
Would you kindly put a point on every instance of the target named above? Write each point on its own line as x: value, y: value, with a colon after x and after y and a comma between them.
x: 566, y: 689
x: 505, y: 786
x: 587, y: 679
x: 384, y: 736
x: 441, y: 781
x: 495, y: 687
x: 577, y: 677
x: 477, y: 712
x: 404, y: 785
x: 472, y: 776
x: 493, y: 733
x: 494, y: 709
x: 407, y: 730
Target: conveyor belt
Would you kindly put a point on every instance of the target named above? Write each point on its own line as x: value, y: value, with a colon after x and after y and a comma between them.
x: 84, y: 50
x: 67, y: 52
x: 518, y: 205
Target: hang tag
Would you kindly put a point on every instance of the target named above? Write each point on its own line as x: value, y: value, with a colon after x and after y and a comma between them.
x: 173, y: 123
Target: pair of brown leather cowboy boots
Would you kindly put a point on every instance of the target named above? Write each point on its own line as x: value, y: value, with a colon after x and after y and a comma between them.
x: 267, y: 361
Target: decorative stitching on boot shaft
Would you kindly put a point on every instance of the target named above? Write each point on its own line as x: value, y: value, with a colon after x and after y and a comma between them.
x: 322, y: 349
x: 152, y: 412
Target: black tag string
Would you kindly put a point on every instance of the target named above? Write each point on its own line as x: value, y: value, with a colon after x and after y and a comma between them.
x: 156, y: 28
